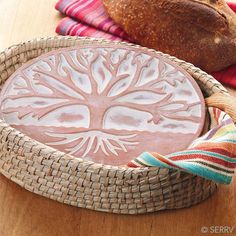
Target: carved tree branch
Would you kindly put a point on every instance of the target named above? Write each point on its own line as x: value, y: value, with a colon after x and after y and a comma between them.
x: 81, y: 67
x: 163, y: 76
x: 139, y: 69
x: 93, y: 82
x: 66, y: 82
x: 157, y: 111
x: 40, y: 112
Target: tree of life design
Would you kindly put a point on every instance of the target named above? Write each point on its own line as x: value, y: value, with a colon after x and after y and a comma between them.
x: 111, y: 85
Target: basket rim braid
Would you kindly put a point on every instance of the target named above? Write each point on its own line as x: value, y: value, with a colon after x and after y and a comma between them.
x: 61, y: 177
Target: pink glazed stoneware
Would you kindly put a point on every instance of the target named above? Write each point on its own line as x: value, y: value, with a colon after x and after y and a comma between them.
x: 105, y: 103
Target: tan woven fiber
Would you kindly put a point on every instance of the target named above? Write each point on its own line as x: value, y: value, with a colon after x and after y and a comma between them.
x: 56, y: 175
x: 225, y: 103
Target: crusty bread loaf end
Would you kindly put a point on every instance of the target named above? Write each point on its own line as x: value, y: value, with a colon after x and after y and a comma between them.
x: 202, y: 32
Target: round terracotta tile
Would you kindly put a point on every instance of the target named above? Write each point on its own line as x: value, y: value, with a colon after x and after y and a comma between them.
x: 105, y: 103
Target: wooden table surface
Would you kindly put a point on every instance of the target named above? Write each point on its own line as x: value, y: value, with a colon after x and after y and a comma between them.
x: 23, y: 213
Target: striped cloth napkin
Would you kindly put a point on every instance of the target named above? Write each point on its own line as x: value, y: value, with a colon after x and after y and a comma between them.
x: 89, y: 18
x: 213, y: 155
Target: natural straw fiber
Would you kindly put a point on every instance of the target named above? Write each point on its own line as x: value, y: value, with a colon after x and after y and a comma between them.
x: 56, y: 175
x: 225, y: 103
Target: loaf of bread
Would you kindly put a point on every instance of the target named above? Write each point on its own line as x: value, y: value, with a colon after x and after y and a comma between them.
x: 202, y: 32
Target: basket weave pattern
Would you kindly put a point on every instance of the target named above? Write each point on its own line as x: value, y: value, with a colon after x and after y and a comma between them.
x: 56, y: 175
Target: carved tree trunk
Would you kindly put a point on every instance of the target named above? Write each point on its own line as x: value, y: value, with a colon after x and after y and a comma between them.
x: 96, y: 118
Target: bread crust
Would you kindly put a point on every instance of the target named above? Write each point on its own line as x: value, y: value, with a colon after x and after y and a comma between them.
x: 202, y: 32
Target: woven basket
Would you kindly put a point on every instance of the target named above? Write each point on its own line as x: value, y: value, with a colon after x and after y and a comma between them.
x: 58, y: 176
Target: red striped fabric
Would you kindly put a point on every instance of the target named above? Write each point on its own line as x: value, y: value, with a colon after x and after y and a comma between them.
x: 204, y: 157
x: 227, y: 76
x: 69, y: 26
x: 89, y: 13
